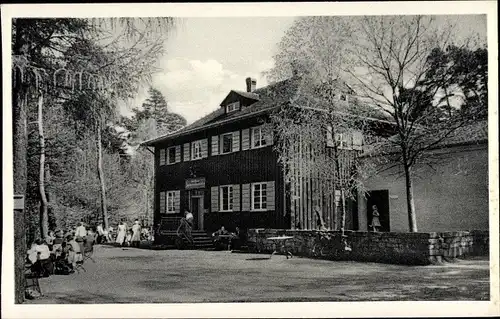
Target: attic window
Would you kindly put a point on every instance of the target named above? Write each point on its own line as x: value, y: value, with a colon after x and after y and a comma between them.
x: 232, y: 107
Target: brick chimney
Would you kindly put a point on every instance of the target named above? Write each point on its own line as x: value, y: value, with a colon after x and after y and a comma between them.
x: 251, y: 84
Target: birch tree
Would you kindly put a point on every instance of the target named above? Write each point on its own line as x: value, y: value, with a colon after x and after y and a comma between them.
x: 38, y: 50
x: 322, y: 107
x: 393, y: 68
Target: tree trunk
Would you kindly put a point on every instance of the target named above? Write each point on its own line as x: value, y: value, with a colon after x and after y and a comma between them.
x: 342, y: 212
x: 20, y: 166
x: 412, y: 217
x: 44, y: 214
x: 100, y: 174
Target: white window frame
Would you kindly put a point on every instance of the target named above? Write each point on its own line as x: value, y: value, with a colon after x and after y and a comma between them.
x: 262, y: 199
x: 168, y: 155
x: 343, y: 140
x: 222, y: 143
x: 231, y: 107
x: 230, y: 198
x: 170, y: 204
x: 262, y: 136
x: 196, y: 151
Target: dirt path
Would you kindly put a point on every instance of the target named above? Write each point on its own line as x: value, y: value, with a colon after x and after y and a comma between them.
x: 148, y: 276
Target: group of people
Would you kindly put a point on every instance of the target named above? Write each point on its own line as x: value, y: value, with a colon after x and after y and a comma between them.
x: 124, y: 235
x: 224, y: 239
x: 60, y: 251
x: 128, y: 237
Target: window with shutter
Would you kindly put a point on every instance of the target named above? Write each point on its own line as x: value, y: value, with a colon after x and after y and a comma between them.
x: 236, y: 198
x: 163, y: 203
x: 226, y: 198
x: 171, y: 155
x: 226, y: 143
x: 259, y: 196
x: 214, y: 200
x: 204, y: 148
x: 245, y: 197
x: 245, y: 139
x: 236, y: 141
x: 196, y: 150
x: 187, y: 153
x: 170, y: 202
x: 258, y: 137
x: 177, y: 153
x: 162, y: 157
x: 177, y: 201
x: 215, y: 145
x: 271, y: 196
x: 357, y: 140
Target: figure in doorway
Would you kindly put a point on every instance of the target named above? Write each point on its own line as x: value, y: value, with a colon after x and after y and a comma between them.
x: 375, y: 225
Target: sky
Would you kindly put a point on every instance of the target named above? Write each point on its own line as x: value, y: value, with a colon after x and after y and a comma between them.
x: 207, y: 57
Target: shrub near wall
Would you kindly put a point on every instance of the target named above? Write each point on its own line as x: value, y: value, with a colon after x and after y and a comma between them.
x: 390, y: 247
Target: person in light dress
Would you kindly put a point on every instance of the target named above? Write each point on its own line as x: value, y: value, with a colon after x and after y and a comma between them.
x: 122, y: 233
x: 136, y: 234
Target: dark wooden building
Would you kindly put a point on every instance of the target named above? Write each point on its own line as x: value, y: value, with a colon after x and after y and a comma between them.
x: 224, y: 169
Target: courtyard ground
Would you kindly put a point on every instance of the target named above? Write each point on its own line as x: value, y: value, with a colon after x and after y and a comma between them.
x: 169, y: 276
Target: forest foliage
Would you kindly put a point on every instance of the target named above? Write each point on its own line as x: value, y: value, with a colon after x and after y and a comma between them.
x: 82, y: 70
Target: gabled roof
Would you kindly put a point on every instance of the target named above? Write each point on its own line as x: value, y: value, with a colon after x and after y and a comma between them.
x: 266, y: 99
x: 269, y: 97
x: 247, y: 95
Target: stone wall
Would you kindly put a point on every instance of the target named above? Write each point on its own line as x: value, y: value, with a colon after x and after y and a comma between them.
x: 387, y: 247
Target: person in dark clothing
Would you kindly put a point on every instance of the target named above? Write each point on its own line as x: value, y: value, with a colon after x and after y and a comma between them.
x: 219, y: 243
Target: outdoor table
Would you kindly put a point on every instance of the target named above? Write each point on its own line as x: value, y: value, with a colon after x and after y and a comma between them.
x: 228, y: 239
x: 282, y: 240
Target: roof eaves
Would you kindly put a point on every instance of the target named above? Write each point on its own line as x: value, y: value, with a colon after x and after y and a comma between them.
x: 203, y: 127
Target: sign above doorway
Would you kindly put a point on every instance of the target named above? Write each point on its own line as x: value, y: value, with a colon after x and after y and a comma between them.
x: 193, y: 183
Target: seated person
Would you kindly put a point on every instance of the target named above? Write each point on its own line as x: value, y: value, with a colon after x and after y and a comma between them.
x: 49, y: 240
x: 58, y: 240
x: 32, y: 254
x: 236, y: 239
x: 219, y: 242
x: 43, y: 264
x: 62, y: 266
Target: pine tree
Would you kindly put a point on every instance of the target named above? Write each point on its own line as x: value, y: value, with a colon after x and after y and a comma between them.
x: 156, y: 107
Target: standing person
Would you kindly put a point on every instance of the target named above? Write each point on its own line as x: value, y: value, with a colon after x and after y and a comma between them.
x: 122, y: 232
x: 375, y: 219
x: 80, y: 235
x: 136, y: 236
x: 100, y: 234
x: 189, y: 218
x: 74, y: 251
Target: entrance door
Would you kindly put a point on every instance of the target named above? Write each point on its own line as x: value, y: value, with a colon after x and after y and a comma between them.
x: 380, y: 198
x: 197, y: 211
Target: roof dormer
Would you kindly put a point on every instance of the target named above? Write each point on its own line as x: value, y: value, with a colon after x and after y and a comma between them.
x: 235, y: 100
